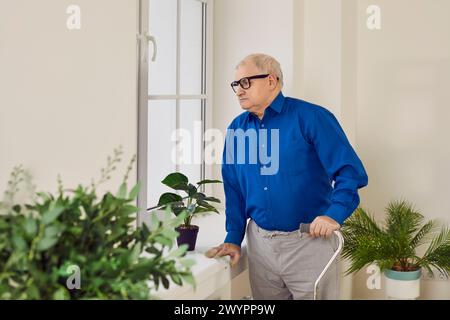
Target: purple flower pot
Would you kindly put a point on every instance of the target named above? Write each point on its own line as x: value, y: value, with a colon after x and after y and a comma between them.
x: 188, y: 235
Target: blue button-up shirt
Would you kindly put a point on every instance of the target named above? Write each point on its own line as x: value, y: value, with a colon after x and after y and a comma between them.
x: 314, y: 170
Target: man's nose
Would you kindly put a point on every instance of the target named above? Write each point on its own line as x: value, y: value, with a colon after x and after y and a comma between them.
x: 239, y: 91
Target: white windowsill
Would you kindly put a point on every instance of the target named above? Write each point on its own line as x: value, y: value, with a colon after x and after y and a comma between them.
x: 212, y: 276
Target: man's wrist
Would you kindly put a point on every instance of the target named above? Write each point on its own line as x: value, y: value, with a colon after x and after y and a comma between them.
x: 337, y: 212
x: 234, y: 237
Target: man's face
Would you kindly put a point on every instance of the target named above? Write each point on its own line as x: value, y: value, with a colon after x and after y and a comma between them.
x: 254, y: 98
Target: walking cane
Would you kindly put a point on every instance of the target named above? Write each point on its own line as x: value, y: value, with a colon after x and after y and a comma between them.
x: 304, y: 228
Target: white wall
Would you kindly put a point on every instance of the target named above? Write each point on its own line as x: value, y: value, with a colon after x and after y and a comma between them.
x: 322, y: 53
x: 67, y: 98
x: 325, y: 53
x: 403, y: 76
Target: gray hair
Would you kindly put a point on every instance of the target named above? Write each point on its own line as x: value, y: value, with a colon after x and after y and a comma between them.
x: 264, y: 63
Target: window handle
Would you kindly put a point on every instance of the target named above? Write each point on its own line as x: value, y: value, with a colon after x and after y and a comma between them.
x: 149, y: 38
x: 155, y: 47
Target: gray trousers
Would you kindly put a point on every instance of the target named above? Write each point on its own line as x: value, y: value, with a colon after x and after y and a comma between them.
x: 285, y: 265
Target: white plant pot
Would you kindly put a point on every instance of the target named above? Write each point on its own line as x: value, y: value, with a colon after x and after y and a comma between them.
x: 402, y: 285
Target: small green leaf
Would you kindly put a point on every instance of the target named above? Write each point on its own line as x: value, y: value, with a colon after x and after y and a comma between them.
x: 176, y: 279
x: 33, y: 292
x: 171, y: 234
x: 175, y: 179
x: 189, y: 279
x: 199, y: 196
x: 165, y: 282
x: 187, y: 263
x: 135, y: 191
x: 51, y: 231
x: 152, y: 250
x: 135, y: 252
x: 154, y: 222
x: 211, y: 199
x: 44, y: 196
x: 122, y: 193
x: 46, y: 243
x: 201, y: 209
x: 192, y: 190
x: 179, y: 252
x: 30, y: 226
x: 208, y: 181
x: 206, y: 205
x: 164, y: 241
x: 156, y: 280
x: 181, y: 186
x: 19, y: 242
x: 75, y: 230
x: 178, y: 210
x: 180, y: 218
x: 127, y: 210
x: 61, y: 294
x: 51, y: 215
x: 169, y: 197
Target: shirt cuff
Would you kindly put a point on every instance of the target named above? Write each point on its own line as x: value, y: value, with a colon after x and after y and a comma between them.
x: 234, y: 237
x: 338, y: 212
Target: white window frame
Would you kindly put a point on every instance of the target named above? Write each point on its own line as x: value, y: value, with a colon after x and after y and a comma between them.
x: 205, y: 97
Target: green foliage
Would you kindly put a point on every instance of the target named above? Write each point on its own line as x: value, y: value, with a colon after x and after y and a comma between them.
x: 395, y: 245
x: 40, y: 242
x: 194, y: 203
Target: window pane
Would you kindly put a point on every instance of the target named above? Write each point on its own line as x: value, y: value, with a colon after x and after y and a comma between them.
x: 163, y: 26
x: 161, y: 124
x: 191, y: 47
x: 190, y: 155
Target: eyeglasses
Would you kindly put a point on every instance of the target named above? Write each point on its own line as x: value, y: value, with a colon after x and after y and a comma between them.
x: 245, y: 82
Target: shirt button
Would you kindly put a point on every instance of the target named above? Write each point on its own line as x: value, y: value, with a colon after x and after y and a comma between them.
x: 262, y: 146
x: 265, y: 188
x: 262, y: 125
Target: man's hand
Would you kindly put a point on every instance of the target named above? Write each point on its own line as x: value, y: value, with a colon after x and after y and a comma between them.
x: 225, y: 249
x: 323, y: 226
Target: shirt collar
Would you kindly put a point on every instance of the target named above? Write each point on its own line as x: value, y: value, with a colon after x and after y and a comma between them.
x: 276, y: 105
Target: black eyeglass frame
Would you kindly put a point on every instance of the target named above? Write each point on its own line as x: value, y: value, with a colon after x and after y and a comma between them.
x: 238, y: 83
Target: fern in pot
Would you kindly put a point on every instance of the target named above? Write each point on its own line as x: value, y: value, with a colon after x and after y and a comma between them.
x: 394, y: 247
x: 194, y: 203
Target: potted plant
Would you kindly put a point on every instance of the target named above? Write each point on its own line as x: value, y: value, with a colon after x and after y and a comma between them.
x: 393, y: 247
x: 194, y: 203
x: 78, y: 244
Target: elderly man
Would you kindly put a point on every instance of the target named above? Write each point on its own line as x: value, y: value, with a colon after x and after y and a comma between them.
x: 313, y: 176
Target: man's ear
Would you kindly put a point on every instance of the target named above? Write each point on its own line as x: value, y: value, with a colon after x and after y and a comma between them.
x: 273, y: 81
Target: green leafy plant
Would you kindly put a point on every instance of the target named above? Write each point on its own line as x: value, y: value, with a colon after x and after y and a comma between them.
x: 42, y: 241
x: 394, y: 245
x: 194, y: 203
